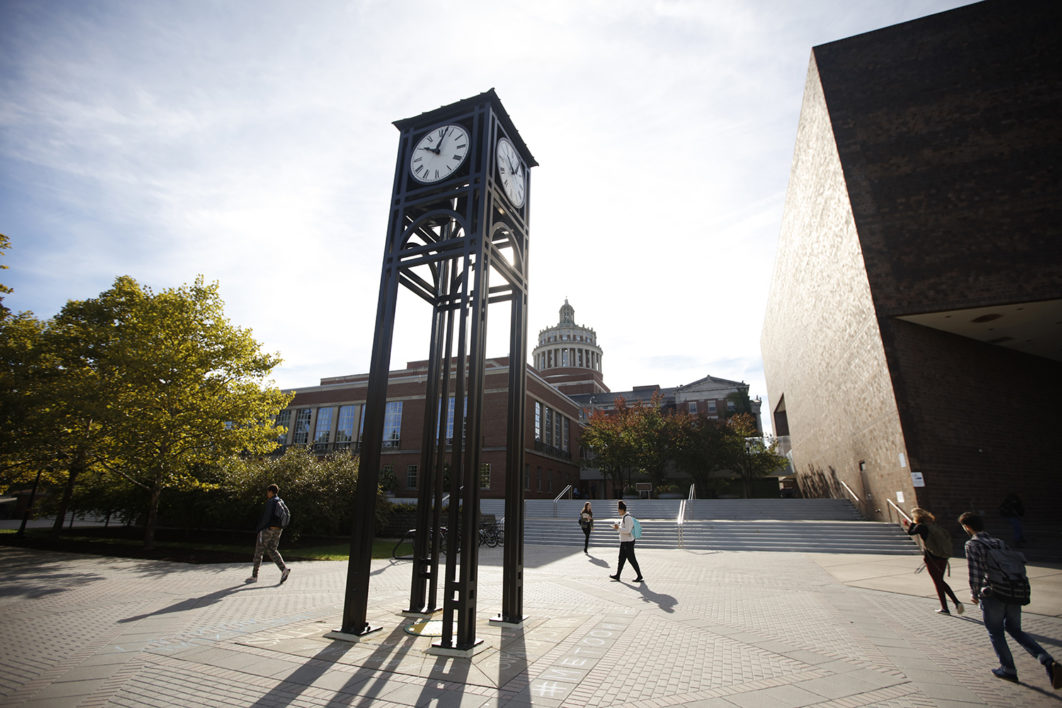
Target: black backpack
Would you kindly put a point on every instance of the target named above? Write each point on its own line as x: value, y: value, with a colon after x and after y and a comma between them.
x: 1005, y: 576
x: 282, y: 514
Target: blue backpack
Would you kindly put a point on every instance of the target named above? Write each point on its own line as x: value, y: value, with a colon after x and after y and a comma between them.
x: 636, y: 528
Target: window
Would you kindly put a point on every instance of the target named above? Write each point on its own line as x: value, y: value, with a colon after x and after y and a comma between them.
x: 730, y: 407
x: 557, y: 429
x: 549, y: 427
x: 566, y: 432
x: 538, y: 420
x: 527, y: 478
x: 283, y: 421
x: 711, y: 408
x: 449, y: 421
x: 392, y: 434
x: 484, y: 475
x: 540, y: 479
x: 301, y: 428
x: 323, y: 430
x: 345, y: 426
x: 693, y: 407
x: 411, y: 476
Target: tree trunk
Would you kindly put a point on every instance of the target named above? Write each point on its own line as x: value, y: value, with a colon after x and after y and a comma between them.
x: 77, y: 466
x: 152, y: 517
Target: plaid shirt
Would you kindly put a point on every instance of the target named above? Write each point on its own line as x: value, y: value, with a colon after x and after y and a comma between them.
x: 976, y: 559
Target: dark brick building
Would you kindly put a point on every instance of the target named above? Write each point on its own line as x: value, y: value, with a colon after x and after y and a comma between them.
x: 330, y: 417
x: 913, y: 333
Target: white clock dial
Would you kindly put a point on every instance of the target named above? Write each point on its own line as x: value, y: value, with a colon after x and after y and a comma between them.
x: 439, y: 153
x: 511, y: 172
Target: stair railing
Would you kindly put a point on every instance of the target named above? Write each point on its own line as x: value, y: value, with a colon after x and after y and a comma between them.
x: 898, y: 511
x: 693, y: 492
x: 901, y: 513
x: 567, y: 490
x: 860, y: 504
x: 680, y: 522
x: 849, y: 490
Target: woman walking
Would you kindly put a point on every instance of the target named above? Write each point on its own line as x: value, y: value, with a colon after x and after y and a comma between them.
x: 586, y: 522
x: 936, y: 549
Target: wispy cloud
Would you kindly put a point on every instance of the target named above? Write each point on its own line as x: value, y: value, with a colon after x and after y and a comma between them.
x: 252, y: 142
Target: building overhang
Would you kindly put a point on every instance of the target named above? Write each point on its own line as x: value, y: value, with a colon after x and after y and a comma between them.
x: 1030, y: 327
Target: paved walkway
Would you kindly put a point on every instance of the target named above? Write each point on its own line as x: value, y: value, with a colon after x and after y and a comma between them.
x: 706, y: 630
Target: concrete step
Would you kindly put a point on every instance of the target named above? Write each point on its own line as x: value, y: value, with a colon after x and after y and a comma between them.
x: 700, y: 509
x: 803, y: 536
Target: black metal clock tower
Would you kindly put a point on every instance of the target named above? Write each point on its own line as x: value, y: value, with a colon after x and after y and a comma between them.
x: 457, y: 237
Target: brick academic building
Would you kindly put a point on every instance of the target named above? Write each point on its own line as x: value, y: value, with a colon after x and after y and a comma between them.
x: 329, y: 416
x: 913, y: 338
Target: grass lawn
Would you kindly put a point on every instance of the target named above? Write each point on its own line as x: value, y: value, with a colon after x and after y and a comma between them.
x: 199, y: 547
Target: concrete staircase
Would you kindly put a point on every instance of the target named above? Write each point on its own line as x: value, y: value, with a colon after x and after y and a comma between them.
x: 799, y: 525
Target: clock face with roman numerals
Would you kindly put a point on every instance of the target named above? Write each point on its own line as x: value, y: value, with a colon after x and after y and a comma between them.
x: 441, y: 151
x: 512, y: 173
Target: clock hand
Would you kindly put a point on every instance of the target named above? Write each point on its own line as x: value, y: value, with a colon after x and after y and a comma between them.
x: 442, y: 138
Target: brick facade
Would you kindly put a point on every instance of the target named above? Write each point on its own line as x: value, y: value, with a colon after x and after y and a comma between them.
x: 924, y: 182
x: 547, y: 468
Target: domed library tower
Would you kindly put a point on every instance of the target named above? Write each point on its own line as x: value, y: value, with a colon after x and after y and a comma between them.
x: 568, y: 357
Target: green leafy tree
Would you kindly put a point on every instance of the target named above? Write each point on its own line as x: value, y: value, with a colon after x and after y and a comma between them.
x: 186, y: 388
x: 701, y: 451
x: 49, y: 418
x: 611, y: 438
x: 631, y: 439
x: 754, y: 456
x: 5, y: 243
x: 319, y: 490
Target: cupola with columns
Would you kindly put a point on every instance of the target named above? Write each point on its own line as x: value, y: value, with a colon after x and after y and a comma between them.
x: 567, y: 355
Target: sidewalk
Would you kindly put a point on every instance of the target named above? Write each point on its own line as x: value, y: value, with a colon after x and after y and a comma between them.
x: 706, y: 629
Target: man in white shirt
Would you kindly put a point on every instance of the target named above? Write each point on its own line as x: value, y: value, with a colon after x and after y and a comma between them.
x: 626, y: 537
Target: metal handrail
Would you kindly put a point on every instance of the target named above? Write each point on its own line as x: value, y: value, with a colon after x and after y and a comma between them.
x: 693, y: 492
x: 849, y: 490
x: 680, y: 521
x: 898, y: 510
x: 567, y: 490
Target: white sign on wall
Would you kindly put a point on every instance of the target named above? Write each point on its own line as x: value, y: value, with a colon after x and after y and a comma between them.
x: 917, y: 479
x: 899, y: 497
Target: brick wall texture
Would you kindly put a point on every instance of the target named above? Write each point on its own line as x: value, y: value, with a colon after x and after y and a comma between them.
x: 925, y: 178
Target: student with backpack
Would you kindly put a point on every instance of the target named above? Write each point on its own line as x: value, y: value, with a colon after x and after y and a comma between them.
x: 629, y: 530
x: 999, y: 583
x: 275, y: 517
x: 936, y: 550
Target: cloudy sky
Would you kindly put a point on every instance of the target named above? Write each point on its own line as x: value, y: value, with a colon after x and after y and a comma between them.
x: 251, y: 142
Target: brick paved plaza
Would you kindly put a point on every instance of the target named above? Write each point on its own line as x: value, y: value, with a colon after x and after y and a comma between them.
x: 706, y: 629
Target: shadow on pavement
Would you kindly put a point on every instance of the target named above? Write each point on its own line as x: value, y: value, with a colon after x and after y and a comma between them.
x: 193, y: 603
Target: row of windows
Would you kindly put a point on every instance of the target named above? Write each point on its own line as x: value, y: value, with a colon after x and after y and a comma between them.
x: 545, y: 481
x: 573, y: 357
x: 411, y: 475
x: 565, y: 338
x: 343, y: 432
x: 551, y: 427
x: 712, y: 410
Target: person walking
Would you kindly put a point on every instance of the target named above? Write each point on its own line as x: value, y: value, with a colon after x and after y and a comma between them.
x: 586, y: 523
x: 936, y: 550
x: 270, y: 526
x: 626, y: 549
x: 1002, y: 613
